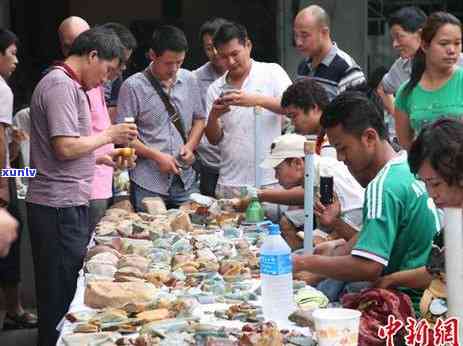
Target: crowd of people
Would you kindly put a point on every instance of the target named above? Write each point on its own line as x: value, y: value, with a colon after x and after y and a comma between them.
x: 195, y: 131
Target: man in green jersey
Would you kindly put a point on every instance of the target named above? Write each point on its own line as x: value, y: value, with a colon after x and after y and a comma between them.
x: 399, y: 218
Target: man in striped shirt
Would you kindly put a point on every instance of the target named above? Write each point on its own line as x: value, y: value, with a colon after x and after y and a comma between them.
x: 399, y: 218
x: 323, y: 60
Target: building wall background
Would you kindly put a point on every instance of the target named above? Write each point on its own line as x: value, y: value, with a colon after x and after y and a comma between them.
x: 358, y: 26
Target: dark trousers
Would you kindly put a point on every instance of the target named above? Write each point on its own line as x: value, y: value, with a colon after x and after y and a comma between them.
x: 59, y: 237
x: 97, y: 209
x: 10, y: 266
x: 207, y: 180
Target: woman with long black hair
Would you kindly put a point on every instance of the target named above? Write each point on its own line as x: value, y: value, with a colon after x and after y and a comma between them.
x: 435, y: 88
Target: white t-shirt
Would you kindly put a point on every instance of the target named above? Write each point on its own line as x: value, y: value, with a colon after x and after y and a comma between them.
x: 237, y: 146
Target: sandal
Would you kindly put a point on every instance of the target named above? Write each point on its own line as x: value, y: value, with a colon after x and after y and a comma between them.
x: 24, y: 321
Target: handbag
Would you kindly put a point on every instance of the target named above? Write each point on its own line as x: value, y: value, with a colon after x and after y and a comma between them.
x: 174, y: 115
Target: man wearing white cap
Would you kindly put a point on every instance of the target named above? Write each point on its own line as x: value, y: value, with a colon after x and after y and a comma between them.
x: 343, y: 216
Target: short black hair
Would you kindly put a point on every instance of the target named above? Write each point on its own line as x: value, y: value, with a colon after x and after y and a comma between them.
x: 168, y: 37
x: 441, y: 144
x: 410, y: 18
x: 228, y: 32
x: 210, y: 27
x: 7, y: 38
x: 355, y: 111
x: 105, y: 42
x: 124, y: 34
x: 305, y: 93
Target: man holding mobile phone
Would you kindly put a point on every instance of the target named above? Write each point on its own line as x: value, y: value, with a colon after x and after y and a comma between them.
x: 248, y: 90
x: 399, y: 218
x: 287, y: 159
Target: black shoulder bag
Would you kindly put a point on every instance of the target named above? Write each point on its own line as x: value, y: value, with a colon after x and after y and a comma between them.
x: 174, y: 115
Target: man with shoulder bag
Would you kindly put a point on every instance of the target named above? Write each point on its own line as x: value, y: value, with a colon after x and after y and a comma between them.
x: 165, y: 102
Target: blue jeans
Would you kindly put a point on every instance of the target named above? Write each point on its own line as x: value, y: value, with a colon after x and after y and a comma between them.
x: 177, y: 194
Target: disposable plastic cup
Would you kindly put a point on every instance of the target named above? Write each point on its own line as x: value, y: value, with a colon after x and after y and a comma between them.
x: 337, y: 326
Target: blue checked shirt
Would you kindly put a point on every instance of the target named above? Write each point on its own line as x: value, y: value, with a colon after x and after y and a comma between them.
x: 138, y: 99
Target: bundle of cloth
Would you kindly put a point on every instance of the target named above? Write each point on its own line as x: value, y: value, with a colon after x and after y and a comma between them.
x: 376, y: 304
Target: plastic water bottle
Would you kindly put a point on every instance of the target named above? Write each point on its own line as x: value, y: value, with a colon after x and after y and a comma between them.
x: 276, y: 272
